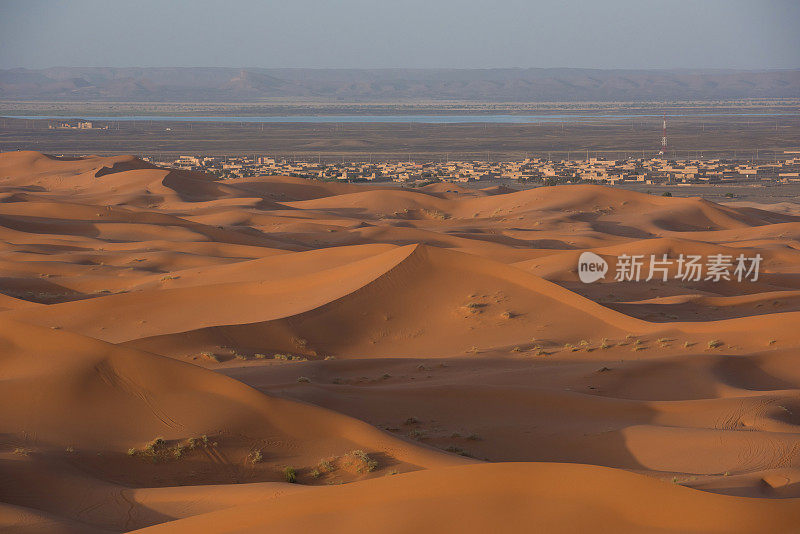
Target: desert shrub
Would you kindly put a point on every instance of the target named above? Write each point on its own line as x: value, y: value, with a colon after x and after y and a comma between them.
x: 159, y: 450
x: 290, y: 474
x: 326, y: 466
x: 714, y: 343
x: 155, y: 445
x: 361, y: 461
x: 435, y: 214
x: 303, y: 379
x: 416, y: 433
x: 210, y: 355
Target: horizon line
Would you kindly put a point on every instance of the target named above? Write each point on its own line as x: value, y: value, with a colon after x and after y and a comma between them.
x: 655, y: 69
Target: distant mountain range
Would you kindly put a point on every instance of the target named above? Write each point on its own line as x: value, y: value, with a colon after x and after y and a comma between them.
x: 192, y: 84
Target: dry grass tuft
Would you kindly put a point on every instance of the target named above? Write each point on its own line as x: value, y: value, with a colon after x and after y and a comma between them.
x: 360, y: 461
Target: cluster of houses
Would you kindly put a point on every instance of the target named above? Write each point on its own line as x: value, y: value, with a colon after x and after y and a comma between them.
x: 655, y: 170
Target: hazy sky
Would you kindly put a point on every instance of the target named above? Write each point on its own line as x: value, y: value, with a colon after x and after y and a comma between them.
x: 402, y: 33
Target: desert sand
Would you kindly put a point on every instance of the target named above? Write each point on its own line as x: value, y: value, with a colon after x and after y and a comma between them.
x: 184, y: 354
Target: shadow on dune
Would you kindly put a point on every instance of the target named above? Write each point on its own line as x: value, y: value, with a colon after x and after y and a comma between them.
x: 615, y: 228
x: 481, y: 419
x: 514, y: 242
x: 42, y: 225
x: 122, y: 166
x: 194, y: 186
x: 746, y: 372
x: 62, y: 158
x: 25, y: 189
x: 39, y: 290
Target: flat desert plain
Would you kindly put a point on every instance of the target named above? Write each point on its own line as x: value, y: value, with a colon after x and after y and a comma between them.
x: 274, y: 354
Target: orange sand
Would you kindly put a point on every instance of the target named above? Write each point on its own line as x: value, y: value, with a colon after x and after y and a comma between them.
x: 423, y: 359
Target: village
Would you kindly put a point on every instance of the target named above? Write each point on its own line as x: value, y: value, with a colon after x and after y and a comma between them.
x: 655, y: 170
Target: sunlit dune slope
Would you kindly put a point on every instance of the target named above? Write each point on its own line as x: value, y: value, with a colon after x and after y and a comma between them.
x: 68, y: 390
x: 406, y: 301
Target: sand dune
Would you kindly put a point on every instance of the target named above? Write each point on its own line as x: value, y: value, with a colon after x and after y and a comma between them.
x: 510, y: 497
x: 423, y: 359
x: 88, y: 404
